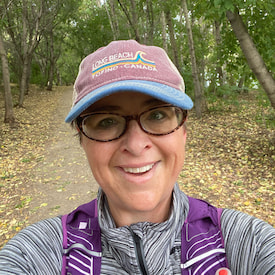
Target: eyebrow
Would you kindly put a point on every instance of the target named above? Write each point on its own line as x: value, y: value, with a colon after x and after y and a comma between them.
x: 106, y: 108
x: 154, y: 101
x: 147, y: 103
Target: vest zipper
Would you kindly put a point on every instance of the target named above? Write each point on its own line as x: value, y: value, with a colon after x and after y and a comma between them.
x: 139, y: 253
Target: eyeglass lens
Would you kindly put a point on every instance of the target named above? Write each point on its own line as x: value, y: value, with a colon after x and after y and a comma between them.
x: 109, y: 126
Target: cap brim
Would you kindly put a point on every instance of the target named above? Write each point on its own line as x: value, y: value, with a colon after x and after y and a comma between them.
x: 154, y: 89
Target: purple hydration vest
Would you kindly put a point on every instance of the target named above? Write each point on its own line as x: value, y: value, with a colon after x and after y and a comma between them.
x: 202, y: 246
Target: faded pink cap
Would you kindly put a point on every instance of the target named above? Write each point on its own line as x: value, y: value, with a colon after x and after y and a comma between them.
x: 127, y: 66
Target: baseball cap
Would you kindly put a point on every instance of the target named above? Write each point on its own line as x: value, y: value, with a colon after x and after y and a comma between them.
x: 126, y: 65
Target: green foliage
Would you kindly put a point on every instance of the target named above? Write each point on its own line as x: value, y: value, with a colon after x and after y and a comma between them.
x: 81, y: 27
x: 223, y: 5
x: 266, y: 114
x: 23, y: 202
x: 90, y: 32
x: 228, y: 98
x: 226, y: 91
x: 262, y: 99
x: 188, y: 81
x: 36, y: 76
x: 222, y: 98
x: 68, y: 66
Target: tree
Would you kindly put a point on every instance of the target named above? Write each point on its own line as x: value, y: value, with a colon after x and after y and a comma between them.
x: 50, y: 32
x: 252, y: 55
x: 52, y: 61
x: 217, y: 34
x: 149, y: 23
x: 200, y: 104
x: 169, y: 22
x: 112, y: 17
x: 26, y: 24
x: 50, y: 47
x: 163, y: 31
x: 9, y: 116
x: 133, y: 20
x: 23, y: 26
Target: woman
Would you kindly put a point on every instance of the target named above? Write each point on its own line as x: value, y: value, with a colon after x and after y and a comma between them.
x: 130, y: 111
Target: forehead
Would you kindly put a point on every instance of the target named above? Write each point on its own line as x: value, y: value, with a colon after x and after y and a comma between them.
x: 125, y: 101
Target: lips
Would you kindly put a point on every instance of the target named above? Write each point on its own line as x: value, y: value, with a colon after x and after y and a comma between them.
x: 138, y: 170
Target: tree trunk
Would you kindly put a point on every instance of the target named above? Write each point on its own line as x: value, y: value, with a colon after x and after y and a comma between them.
x: 135, y: 19
x: 217, y: 33
x: 252, y: 55
x: 28, y: 75
x: 25, y: 36
x: 9, y: 116
x: 201, y: 65
x: 241, y: 82
x: 111, y: 17
x: 172, y: 38
x: 133, y: 22
x: 24, y: 48
x: 164, y: 39
x: 114, y: 19
x: 150, y: 22
x: 181, y: 38
x: 23, y: 82
x: 52, y: 62
x: 200, y: 104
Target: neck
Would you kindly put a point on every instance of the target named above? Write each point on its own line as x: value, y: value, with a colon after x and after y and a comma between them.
x: 125, y: 217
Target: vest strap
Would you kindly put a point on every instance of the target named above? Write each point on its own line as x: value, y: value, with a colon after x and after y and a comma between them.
x: 79, y: 246
x: 203, y: 256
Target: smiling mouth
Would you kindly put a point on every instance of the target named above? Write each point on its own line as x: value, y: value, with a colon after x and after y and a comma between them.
x: 139, y: 170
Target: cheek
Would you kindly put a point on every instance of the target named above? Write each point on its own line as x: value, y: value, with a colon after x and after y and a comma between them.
x: 176, y: 147
x: 182, y: 143
x: 99, y: 154
x: 176, y: 142
x: 92, y: 151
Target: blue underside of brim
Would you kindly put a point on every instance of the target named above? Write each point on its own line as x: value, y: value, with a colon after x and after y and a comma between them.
x: 154, y: 89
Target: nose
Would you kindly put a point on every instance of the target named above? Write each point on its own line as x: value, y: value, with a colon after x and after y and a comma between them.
x: 135, y: 140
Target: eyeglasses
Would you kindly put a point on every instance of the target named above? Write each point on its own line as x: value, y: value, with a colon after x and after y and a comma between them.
x: 106, y: 126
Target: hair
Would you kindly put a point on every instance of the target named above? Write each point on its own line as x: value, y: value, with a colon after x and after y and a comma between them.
x: 78, y: 132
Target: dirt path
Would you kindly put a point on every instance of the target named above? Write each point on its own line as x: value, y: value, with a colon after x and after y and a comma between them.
x: 44, y: 173
x: 229, y: 162
x: 63, y: 179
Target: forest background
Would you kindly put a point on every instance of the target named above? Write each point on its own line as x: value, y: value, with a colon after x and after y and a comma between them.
x: 224, y: 49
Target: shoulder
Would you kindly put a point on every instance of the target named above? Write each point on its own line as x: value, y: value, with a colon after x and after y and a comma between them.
x: 236, y: 223
x: 36, y: 249
x: 249, y: 243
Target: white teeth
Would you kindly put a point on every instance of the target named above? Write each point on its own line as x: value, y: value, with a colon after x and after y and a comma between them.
x: 139, y: 169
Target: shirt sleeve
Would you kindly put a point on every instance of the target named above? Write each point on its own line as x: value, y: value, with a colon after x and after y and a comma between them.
x: 249, y: 243
x: 37, y: 249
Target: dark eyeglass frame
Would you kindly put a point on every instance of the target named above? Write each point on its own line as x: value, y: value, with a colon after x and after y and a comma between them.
x: 80, y: 119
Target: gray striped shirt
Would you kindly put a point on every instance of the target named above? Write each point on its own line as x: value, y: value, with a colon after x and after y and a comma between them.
x: 249, y: 244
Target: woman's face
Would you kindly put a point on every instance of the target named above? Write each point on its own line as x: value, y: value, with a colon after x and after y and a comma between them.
x: 137, y: 172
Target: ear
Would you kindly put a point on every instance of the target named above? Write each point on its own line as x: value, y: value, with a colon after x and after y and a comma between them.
x: 79, y: 134
x: 184, y: 134
x: 77, y: 128
x: 184, y: 129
